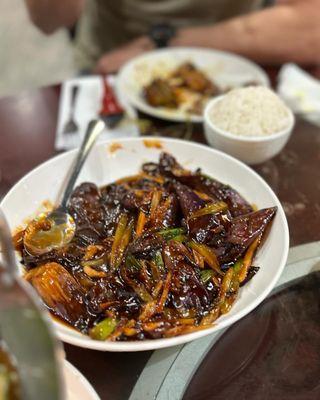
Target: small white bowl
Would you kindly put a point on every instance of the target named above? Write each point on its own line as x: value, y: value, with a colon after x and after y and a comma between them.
x: 249, y: 149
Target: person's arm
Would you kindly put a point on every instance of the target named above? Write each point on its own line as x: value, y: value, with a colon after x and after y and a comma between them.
x: 49, y: 15
x: 289, y: 31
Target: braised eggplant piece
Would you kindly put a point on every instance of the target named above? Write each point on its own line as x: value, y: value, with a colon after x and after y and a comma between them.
x: 146, y: 245
x: 61, y: 293
x: 88, y: 212
x: 246, y: 228
x: 243, y: 231
x: 237, y: 205
x: 155, y: 255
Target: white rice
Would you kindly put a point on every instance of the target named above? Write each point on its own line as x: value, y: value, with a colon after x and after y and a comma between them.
x: 250, y: 111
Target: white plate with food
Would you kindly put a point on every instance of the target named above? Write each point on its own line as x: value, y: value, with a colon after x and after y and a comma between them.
x: 175, y: 83
x: 119, y: 276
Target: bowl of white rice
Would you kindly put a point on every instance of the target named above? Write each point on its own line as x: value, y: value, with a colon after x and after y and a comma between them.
x: 252, y: 124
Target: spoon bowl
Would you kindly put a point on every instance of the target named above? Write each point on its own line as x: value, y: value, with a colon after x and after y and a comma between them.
x: 50, y: 231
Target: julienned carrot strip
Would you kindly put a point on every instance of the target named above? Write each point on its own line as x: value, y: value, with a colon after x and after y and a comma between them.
x: 202, y: 195
x: 93, y: 273
x: 165, y: 292
x: 155, y: 202
x: 198, y: 258
x: 148, y: 310
x: 247, y: 260
x: 142, y: 219
x: 158, y: 179
x: 156, y: 290
x: 208, y: 254
x: 121, y: 240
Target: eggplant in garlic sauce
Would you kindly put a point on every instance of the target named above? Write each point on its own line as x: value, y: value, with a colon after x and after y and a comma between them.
x: 155, y: 255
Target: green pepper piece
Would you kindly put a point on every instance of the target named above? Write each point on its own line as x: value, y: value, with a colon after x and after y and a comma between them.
x: 103, y: 329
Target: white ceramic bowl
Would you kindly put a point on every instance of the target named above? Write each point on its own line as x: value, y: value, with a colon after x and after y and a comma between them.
x: 103, y: 166
x: 251, y: 150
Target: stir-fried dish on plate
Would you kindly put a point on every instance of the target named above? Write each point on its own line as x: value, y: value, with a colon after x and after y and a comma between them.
x: 186, y: 87
x: 155, y: 255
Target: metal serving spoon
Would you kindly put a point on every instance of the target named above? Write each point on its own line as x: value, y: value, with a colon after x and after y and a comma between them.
x: 55, y: 229
x: 25, y: 330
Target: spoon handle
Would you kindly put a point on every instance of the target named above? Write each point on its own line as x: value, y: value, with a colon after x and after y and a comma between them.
x: 6, y: 249
x: 95, y: 127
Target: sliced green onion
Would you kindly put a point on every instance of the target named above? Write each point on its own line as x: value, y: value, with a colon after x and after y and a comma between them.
x: 142, y: 292
x: 103, y: 329
x: 180, y: 238
x: 238, y: 265
x: 206, y: 275
x: 159, y: 261
x: 169, y: 234
x: 212, y: 208
x: 120, y: 232
x: 93, y: 263
x: 132, y: 263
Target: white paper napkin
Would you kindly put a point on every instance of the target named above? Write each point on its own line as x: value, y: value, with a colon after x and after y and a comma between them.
x: 300, y: 91
x: 87, y: 107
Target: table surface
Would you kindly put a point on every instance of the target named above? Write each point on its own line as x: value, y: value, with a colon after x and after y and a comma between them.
x: 27, y: 130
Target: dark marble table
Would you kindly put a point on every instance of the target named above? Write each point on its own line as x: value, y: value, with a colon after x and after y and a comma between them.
x: 27, y: 129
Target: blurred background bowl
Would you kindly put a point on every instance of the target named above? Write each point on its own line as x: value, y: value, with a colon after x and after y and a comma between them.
x: 249, y: 149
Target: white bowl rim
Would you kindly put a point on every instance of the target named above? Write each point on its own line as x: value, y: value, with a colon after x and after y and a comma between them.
x: 85, y: 341
x: 245, y: 139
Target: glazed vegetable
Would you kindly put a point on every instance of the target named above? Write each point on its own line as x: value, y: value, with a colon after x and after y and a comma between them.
x: 185, y: 83
x: 208, y: 255
x: 169, y: 234
x: 158, y: 254
x: 103, y: 329
x: 206, y: 275
x: 212, y: 208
